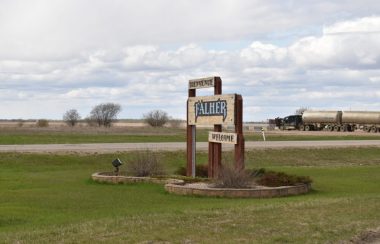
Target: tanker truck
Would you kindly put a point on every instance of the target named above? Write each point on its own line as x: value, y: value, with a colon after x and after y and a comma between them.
x: 331, y: 121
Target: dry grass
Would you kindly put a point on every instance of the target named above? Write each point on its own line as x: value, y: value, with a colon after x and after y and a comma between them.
x: 229, y: 177
x: 145, y: 163
x: 84, y: 129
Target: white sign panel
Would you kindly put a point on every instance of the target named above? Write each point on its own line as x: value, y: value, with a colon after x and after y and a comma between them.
x: 201, y: 83
x: 221, y: 137
x: 211, y: 110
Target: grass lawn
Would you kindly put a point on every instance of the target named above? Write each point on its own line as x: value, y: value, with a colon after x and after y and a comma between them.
x: 46, y: 198
x: 65, y: 135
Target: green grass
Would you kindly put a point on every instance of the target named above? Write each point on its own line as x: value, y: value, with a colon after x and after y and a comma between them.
x: 14, y: 136
x: 316, y: 137
x: 47, y: 198
x: 84, y: 138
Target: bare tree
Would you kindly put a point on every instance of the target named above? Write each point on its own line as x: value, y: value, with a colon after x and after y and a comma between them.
x: 156, y: 118
x: 71, y: 117
x: 104, y: 114
x: 301, y: 110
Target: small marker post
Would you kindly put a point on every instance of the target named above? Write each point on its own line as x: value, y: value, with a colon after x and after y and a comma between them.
x: 263, y: 133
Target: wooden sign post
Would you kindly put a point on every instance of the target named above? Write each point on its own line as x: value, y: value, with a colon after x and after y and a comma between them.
x: 214, y: 110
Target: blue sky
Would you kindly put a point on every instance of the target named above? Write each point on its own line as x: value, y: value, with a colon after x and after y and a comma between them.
x: 56, y: 55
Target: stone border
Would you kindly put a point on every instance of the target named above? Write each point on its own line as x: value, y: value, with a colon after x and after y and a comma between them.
x: 120, y: 179
x: 257, y: 192
x: 178, y: 187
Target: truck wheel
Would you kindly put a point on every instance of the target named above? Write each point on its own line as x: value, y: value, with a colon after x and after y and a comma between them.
x: 336, y: 128
x: 344, y: 128
x: 330, y: 128
x: 302, y: 127
x: 373, y: 129
x: 307, y: 127
x: 366, y: 128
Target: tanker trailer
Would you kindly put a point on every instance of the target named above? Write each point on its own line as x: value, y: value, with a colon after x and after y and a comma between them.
x: 369, y: 121
x: 319, y: 120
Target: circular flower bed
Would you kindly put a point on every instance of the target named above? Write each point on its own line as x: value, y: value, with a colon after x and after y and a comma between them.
x: 204, y: 189
x: 248, y: 183
x: 230, y: 183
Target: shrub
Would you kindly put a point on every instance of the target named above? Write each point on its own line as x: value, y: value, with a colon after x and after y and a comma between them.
x: 145, y: 163
x: 156, y: 118
x: 105, y: 113
x: 42, y: 123
x: 256, y: 172
x: 201, y: 170
x: 20, y: 123
x: 181, y: 171
x: 91, y: 122
x: 71, y: 117
x: 274, y: 179
x: 229, y: 177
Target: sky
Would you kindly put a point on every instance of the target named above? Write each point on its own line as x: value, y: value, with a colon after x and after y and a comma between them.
x: 280, y: 55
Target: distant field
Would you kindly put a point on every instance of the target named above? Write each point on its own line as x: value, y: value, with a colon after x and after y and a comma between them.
x: 118, y: 134
x: 47, y: 198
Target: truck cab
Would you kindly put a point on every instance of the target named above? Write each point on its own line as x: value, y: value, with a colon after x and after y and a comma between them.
x: 292, y: 122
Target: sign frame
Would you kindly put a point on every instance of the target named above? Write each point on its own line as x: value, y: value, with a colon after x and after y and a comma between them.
x: 222, y: 137
x: 214, y: 148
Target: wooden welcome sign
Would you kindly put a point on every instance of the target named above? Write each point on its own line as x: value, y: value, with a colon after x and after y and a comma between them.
x: 220, y: 137
x: 211, y: 110
x: 214, y: 110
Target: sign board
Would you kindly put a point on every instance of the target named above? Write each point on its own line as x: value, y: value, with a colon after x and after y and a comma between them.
x: 220, y: 137
x: 211, y: 110
x: 201, y: 83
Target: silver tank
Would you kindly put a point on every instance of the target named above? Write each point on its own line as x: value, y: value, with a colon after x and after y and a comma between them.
x: 361, y: 117
x: 310, y: 116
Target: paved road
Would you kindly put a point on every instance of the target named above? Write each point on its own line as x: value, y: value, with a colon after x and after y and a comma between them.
x: 174, y: 146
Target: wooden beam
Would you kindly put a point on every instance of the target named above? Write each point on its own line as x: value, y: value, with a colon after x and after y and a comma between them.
x: 191, y: 141
x: 240, y: 146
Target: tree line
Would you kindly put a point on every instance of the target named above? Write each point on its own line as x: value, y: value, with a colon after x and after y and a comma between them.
x: 105, y: 114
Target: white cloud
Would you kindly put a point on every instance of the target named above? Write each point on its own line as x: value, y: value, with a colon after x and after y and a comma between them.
x: 59, y: 29
x: 362, y: 25
x: 80, y: 53
x: 351, y: 44
x: 260, y: 54
x: 151, y: 57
